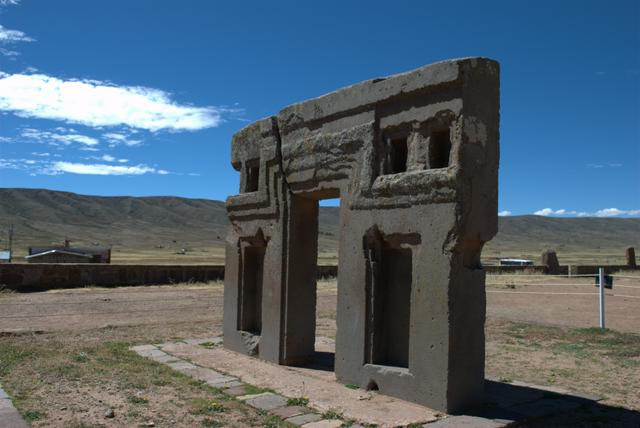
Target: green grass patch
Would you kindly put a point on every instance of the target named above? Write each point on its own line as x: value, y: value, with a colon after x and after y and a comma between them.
x: 298, y: 401
x: 252, y: 390
x: 331, y: 414
x: 581, y: 343
x: 208, y: 345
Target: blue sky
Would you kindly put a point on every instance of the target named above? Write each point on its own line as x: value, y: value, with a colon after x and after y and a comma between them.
x: 142, y: 97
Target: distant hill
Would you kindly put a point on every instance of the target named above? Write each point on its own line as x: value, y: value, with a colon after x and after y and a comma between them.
x: 141, y: 228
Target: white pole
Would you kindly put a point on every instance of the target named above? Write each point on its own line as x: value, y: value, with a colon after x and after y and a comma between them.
x: 601, y: 282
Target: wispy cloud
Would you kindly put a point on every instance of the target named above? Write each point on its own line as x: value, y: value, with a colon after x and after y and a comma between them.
x: 603, y: 165
x: 9, y: 2
x: 95, y: 103
x: 108, y: 158
x: 115, y: 138
x: 58, y: 137
x: 103, y: 169
x: 505, y: 213
x: 615, y: 212
x: 605, y: 212
x: 12, y: 36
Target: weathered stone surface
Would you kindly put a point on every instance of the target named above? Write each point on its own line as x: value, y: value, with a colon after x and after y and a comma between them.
x: 267, y: 401
x: 304, y: 419
x: 414, y: 160
x: 10, y: 418
x: 550, y: 260
x: 181, y: 365
x: 288, y: 411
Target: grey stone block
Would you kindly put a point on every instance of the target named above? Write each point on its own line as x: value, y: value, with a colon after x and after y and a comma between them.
x: 166, y: 358
x: 304, y: 419
x: 181, y: 365
x: 143, y: 348
x: 12, y: 419
x: 267, y: 402
x: 288, y: 411
x: 414, y: 160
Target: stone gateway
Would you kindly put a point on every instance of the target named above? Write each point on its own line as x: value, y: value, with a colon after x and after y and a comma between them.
x: 414, y: 160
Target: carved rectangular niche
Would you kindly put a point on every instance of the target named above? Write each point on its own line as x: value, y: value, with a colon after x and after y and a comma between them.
x: 396, y: 153
x: 388, y: 298
x: 250, y: 292
x: 252, y: 177
x: 439, y: 149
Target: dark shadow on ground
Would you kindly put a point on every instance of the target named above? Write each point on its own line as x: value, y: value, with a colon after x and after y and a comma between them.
x: 530, y: 406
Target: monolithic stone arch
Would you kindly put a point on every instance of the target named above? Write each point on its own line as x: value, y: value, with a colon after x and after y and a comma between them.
x: 414, y: 160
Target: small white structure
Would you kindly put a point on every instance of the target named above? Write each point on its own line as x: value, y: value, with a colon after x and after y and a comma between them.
x: 5, y: 256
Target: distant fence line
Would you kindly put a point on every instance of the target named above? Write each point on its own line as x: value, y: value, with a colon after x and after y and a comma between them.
x: 41, y: 277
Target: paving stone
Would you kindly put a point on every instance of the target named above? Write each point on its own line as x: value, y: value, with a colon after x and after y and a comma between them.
x: 545, y: 407
x: 181, y: 365
x: 326, y: 423
x: 166, y: 358
x: 464, y: 421
x: 224, y: 381
x: 304, y: 419
x: 267, y: 402
x: 10, y: 418
x: 5, y: 403
x: 143, y: 348
x: 288, y: 411
x: 212, y: 377
x: 249, y: 396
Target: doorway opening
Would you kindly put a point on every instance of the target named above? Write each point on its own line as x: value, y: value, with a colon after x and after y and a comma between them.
x: 327, y: 281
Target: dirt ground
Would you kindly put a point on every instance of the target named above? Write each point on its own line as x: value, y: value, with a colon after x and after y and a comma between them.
x: 528, y: 339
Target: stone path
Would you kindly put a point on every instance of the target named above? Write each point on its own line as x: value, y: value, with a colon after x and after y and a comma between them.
x: 312, y: 398
x: 9, y: 416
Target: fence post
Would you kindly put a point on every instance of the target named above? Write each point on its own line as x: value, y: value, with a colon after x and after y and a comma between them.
x: 601, y: 284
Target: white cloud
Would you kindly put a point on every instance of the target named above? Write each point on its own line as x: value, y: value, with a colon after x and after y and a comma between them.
x: 615, y: 212
x: 10, y: 36
x: 600, y: 165
x: 116, y: 138
x: 545, y: 212
x: 101, y: 169
x: 8, y: 2
x: 54, y: 137
x: 44, y: 154
x: 94, y: 103
x: 504, y: 213
x: 108, y: 158
x: 606, y: 212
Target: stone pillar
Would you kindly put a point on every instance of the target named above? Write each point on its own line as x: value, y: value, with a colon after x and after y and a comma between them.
x: 550, y: 260
x: 631, y: 257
